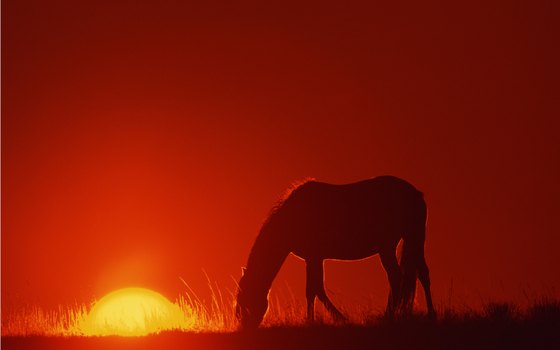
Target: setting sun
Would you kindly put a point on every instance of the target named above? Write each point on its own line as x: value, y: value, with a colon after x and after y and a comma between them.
x: 133, y: 312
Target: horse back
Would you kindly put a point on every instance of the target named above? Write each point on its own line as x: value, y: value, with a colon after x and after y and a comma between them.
x: 350, y: 221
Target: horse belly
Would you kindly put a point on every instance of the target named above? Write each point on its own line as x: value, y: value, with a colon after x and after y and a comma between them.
x: 354, y: 244
x: 346, y: 226
x: 344, y: 243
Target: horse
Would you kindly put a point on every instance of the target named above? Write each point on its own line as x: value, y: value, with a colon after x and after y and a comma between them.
x: 317, y: 221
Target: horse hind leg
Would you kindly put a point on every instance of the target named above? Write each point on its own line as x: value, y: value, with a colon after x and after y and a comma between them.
x: 424, y: 277
x: 315, y: 287
x: 391, y: 266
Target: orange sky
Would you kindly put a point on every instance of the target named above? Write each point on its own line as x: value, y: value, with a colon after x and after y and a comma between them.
x: 143, y: 141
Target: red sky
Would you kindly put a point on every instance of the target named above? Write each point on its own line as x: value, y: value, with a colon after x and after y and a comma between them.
x: 147, y: 140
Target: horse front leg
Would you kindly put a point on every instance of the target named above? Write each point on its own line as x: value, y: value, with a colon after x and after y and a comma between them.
x: 315, y: 272
x: 311, y: 283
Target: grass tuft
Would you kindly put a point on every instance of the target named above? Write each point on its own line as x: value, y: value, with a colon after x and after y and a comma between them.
x: 218, y: 316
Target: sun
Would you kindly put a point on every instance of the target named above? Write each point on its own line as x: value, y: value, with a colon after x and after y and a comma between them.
x: 133, y: 312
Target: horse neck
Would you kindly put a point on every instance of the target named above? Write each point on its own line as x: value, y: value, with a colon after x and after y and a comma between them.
x: 266, y: 258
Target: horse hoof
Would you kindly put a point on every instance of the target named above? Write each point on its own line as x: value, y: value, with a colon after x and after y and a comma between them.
x: 340, y: 318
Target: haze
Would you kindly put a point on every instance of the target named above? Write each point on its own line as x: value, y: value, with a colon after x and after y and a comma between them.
x: 146, y: 142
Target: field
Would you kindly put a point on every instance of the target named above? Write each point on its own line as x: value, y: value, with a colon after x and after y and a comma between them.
x: 496, y: 326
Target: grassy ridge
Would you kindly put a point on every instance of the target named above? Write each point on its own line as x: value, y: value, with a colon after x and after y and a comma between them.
x: 497, y: 326
x: 415, y: 333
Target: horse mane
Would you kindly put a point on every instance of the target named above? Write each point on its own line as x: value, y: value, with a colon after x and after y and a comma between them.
x: 294, y: 185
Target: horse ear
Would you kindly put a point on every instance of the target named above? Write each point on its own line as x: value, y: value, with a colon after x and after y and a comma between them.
x: 243, y: 270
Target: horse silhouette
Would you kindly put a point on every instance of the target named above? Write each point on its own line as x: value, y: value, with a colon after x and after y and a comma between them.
x: 319, y: 221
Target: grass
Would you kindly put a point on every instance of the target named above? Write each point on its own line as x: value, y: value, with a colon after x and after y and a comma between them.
x: 212, y: 324
x: 496, y: 326
x: 34, y: 320
x: 217, y: 316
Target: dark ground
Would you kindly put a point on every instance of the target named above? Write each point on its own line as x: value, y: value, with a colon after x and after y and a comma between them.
x: 488, y: 333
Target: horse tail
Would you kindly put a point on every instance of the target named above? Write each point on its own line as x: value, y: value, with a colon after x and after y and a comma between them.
x: 412, y: 257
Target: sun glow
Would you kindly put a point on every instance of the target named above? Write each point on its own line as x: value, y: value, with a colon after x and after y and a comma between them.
x: 133, y: 312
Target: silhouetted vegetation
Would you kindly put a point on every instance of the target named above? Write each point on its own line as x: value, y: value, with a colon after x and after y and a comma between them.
x: 495, y: 326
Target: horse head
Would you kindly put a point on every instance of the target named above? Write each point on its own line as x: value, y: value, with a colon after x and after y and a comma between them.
x: 251, y: 303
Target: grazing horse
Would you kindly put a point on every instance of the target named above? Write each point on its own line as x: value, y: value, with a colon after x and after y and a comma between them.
x: 318, y: 221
